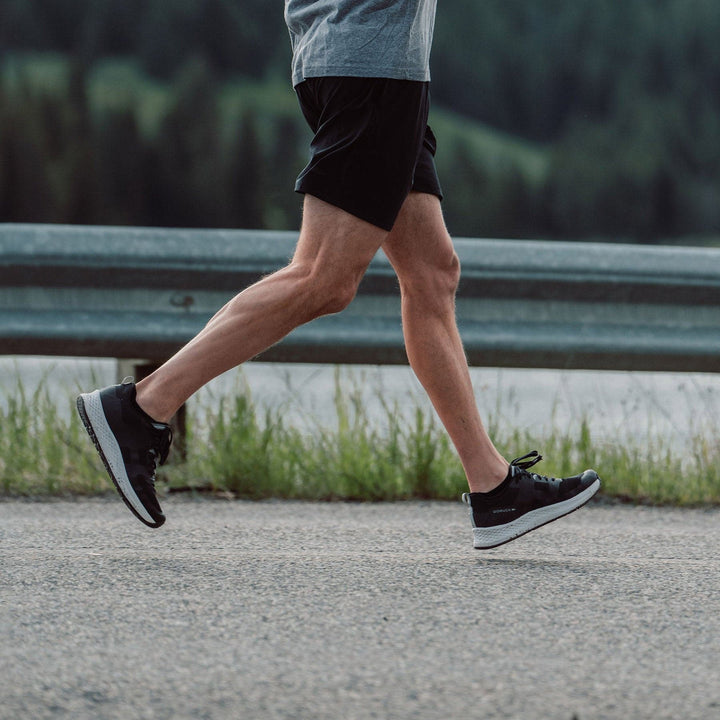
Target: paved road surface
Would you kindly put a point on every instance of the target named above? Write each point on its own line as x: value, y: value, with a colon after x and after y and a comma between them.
x: 297, y: 610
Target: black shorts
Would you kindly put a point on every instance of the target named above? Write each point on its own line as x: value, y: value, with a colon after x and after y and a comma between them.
x: 372, y: 144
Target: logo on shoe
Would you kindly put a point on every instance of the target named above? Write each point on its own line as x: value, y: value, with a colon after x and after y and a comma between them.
x: 503, y: 510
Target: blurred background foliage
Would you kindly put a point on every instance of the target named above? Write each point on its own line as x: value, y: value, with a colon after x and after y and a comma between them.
x: 555, y: 118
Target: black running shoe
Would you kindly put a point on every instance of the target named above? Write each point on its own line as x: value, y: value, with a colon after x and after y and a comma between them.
x: 130, y: 444
x: 525, y: 501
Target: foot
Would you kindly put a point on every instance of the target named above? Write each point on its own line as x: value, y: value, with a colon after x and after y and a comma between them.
x: 130, y: 444
x: 525, y: 501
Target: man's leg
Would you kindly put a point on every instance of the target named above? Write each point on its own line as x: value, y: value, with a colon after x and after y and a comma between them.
x: 128, y: 423
x: 422, y: 254
x: 332, y: 254
x: 505, y: 501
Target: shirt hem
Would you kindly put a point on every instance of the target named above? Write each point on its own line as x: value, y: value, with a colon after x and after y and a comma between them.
x: 355, y: 71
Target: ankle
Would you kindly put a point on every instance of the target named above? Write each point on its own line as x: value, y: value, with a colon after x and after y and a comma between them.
x: 493, y: 477
x: 145, y: 399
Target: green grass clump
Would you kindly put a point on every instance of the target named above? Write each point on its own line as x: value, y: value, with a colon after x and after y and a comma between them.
x: 238, y: 448
x: 255, y: 454
x: 43, y: 453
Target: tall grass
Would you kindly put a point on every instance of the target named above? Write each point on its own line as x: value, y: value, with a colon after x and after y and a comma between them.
x: 243, y: 449
x: 42, y: 451
x: 254, y: 453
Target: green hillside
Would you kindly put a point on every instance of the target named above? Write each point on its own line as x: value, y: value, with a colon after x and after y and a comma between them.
x: 119, y: 97
x: 566, y: 118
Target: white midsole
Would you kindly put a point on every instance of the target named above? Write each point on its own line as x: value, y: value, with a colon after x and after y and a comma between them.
x: 484, y: 537
x: 111, y: 450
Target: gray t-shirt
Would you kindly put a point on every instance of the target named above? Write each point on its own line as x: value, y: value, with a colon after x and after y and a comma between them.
x: 361, y: 38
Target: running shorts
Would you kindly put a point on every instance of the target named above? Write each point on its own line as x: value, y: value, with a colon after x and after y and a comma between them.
x: 372, y: 145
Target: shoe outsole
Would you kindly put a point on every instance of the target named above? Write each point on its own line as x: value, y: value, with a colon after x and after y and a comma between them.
x: 82, y: 411
x: 488, y: 538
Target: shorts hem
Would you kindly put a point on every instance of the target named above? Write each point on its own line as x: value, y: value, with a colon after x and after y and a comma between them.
x: 383, y: 222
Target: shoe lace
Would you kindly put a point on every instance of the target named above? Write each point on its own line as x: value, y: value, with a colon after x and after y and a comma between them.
x: 527, y: 461
x: 523, y: 463
x: 157, y: 454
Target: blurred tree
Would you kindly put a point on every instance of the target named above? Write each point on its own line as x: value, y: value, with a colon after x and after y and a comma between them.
x: 122, y: 169
x: 77, y: 179
x: 189, y: 174
x: 287, y: 158
x: 19, y: 28
x: 25, y: 191
x: 109, y: 28
x: 465, y: 188
x: 621, y: 96
x: 246, y: 177
x: 163, y: 34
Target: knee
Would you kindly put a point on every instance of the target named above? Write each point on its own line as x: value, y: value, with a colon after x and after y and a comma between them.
x: 335, y: 296
x: 446, y: 278
x: 324, y: 292
x: 450, y: 273
x: 438, y: 280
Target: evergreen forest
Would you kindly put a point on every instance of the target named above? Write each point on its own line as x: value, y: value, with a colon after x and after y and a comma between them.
x: 568, y: 119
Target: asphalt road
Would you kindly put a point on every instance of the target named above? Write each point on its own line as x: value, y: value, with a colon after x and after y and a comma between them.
x: 299, y: 610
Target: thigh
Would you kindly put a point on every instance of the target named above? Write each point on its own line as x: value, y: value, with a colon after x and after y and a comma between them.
x: 335, y: 243
x: 419, y: 240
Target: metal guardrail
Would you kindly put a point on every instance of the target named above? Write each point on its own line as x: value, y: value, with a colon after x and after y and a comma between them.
x: 142, y: 293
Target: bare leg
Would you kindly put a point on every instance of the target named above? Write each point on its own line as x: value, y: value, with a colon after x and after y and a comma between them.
x: 422, y: 254
x: 332, y: 254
